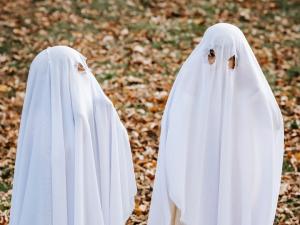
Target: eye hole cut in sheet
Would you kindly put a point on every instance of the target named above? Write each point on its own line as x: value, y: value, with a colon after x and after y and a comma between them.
x: 212, y: 58
x: 80, y: 68
x: 231, y: 62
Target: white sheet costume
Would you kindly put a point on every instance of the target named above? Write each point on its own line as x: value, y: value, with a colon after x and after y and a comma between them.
x: 221, y: 144
x: 74, y: 164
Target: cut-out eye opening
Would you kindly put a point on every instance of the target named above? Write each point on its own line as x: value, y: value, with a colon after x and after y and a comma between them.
x: 211, y: 56
x: 80, y: 68
x: 231, y: 62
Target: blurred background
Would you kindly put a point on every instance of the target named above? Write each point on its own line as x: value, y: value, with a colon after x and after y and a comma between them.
x: 135, y: 49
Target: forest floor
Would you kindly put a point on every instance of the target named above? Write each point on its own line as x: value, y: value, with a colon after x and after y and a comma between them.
x: 135, y: 48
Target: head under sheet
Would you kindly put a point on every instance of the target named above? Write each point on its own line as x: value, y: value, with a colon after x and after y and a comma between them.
x: 221, y: 142
x: 74, y: 161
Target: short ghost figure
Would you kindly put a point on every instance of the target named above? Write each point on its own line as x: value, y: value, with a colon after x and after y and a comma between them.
x: 74, y: 164
x: 221, y: 145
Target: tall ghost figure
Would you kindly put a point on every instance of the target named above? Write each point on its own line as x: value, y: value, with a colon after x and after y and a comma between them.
x: 74, y: 164
x: 222, y: 143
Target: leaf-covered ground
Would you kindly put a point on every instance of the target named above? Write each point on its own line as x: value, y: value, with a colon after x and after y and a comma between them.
x: 135, y: 49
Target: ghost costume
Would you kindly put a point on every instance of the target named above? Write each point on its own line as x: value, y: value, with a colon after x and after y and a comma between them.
x: 221, y: 145
x: 74, y: 164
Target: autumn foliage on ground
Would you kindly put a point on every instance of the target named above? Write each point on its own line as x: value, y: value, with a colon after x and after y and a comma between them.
x: 135, y: 49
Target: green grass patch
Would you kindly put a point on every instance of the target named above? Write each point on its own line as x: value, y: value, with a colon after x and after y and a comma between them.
x: 294, y: 125
x: 293, y: 72
x: 287, y: 167
x: 106, y: 76
x: 142, y: 26
x: 271, y: 78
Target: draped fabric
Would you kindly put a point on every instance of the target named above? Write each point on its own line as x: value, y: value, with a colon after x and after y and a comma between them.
x: 221, y: 144
x: 74, y: 164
